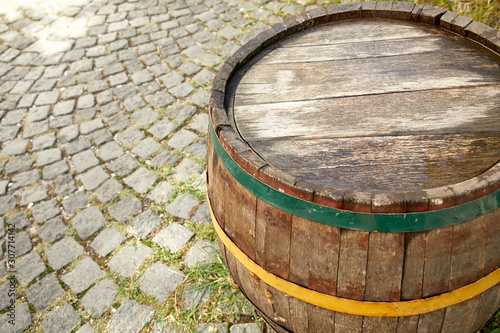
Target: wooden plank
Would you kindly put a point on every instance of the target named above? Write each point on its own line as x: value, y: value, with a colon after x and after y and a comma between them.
x: 357, y: 31
x: 276, y: 248
x: 437, y: 261
x: 385, y: 267
x: 492, y: 242
x: 460, y: 317
x: 281, y: 307
x: 468, y: 252
x: 231, y: 207
x: 251, y: 286
x: 300, y: 251
x: 380, y: 324
x: 407, y: 324
x: 219, y: 181
x: 352, y: 264
x: 383, y: 164
x: 275, y: 83
x: 324, y: 243
x: 299, y: 315
x: 324, y: 320
x: 488, y: 304
x: 367, y: 49
x: 431, y: 322
x: 240, y: 210
x: 210, y: 168
x: 347, y: 323
x: 464, y: 110
x: 413, y: 269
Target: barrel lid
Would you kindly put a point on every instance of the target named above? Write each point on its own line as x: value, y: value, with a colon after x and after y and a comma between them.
x: 392, y: 109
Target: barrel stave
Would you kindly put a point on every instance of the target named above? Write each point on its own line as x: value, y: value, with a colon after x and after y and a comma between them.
x: 413, y: 266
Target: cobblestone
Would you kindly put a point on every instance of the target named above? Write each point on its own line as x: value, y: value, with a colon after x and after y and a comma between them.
x: 84, y: 160
x: 94, y: 177
x: 23, y: 243
x: 129, y: 259
x: 63, y: 253
x: 44, y: 292
x: 145, y: 116
x: 146, y: 148
x: 19, y: 163
x: 173, y: 237
x: 100, y: 298
x: 77, y: 146
x: 141, y: 180
x: 162, y: 193
x: 200, y: 253
x: 131, y: 317
x: 63, y: 320
x: 29, y: 268
x: 145, y: 223
x: 85, y: 273
x: 48, y: 156
x: 24, y: 179
x: 75, y: 202
x: 162, y: 129
x: 109, y: 151
x: 186, y: 169
x: 45, y: 210
x: 34, y: 195
x: 88, y: 222
x: 44, y: 141
x: 159, y: 281
x: 126, y: 208
x: 108, y: 191
x: 23, y: 319
x: 181, y: 112
x: 52, y: 230
x: 107, y: 241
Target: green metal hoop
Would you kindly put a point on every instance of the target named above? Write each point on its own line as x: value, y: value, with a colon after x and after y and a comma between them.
x: 355, y: 220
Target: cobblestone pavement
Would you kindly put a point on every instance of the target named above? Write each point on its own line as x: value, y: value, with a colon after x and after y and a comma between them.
x: 103, y: 129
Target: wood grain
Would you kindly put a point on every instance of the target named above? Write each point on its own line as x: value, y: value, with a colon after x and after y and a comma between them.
x: 413, y: 268
x: 277, y: 83
x: 460, y: 317
x: 467, y: 261
x: 372, y: 105
x: 431, y: 322
x: 240, y: 213
x: 492, y: 243
x: 381, y: 164
x: 438, y: 248
x: 347, y: 323
x: 385, y: 267
x: 380, y: 324
x: 324, y: 320
x: 300, y: 250
x: 276, y: 250
x: 407, y: 324
x: 488, y: 304
x: 352, y: 264
x: 299, y: 315
x: 324, y: 245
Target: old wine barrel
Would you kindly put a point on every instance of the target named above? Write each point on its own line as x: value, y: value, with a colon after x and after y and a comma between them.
x: 353, y: 170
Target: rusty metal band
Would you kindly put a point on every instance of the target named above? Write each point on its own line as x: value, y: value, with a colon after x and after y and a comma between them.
x: 400, y: 222
x: 354, y: 307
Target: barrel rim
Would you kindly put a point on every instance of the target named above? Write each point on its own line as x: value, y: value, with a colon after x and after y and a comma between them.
x: 424, y: 200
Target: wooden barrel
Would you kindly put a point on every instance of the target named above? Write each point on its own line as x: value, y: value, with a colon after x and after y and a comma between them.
x: 353, y: 170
